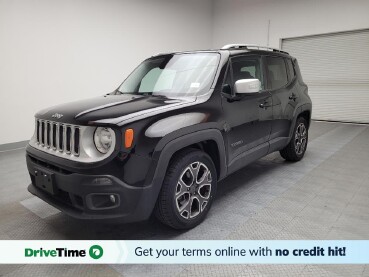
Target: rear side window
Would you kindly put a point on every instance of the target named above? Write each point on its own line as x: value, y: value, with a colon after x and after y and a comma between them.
x: 277, y: 72
x: 291, y: 69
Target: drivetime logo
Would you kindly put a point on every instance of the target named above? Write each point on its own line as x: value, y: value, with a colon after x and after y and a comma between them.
x: 95, y: 252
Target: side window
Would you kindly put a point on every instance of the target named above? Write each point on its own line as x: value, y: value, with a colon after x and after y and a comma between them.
x: 276, y: 68
x: 291, y: 69
x: 247, y: 67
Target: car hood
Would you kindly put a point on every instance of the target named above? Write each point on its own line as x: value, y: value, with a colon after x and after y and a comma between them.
x: 112, y: 109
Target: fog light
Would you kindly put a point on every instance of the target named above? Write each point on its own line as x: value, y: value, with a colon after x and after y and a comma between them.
x: 112, y: 198
x: 102, y: 201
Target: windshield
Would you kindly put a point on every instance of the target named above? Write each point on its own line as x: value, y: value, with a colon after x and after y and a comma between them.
x: 173, y: 75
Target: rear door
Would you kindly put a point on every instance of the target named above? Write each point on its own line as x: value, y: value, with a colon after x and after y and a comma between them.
x: 285, y: 98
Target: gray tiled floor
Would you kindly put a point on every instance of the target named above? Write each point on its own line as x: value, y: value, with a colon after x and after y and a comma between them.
x: 325, y: 196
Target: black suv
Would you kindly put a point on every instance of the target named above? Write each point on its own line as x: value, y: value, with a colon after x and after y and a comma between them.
x: 161, y: 141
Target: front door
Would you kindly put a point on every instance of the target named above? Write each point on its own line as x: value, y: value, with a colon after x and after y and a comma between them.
x: 248, y: 116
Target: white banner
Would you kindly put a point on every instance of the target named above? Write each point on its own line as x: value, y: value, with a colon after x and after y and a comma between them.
x: 184, y: 252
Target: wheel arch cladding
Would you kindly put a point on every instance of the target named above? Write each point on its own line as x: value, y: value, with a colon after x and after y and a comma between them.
x: 210, y: 141
x: 304, y: 111
x: 306, y: 115
x: 209, y: 147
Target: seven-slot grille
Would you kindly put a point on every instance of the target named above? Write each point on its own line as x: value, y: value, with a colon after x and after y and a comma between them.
x: 58, y: 136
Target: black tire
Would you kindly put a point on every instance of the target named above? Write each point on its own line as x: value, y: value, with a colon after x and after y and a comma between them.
x: 175, y: 192
x: 292, y: 152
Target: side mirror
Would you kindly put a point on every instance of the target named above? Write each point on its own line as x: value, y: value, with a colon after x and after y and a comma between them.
x: 247, y: 86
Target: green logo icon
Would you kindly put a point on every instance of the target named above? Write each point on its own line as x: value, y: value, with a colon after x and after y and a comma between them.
x: 96, y: 252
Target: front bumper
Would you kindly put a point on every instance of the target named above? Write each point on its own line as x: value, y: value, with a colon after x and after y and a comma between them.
x: 87, y: 196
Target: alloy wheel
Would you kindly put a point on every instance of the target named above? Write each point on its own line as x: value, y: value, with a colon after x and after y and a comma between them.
x: 193, y: 190
x: 300, y: 139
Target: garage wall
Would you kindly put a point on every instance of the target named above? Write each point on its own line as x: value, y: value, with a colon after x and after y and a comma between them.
x: 246, y: 21
x: 59, y: 51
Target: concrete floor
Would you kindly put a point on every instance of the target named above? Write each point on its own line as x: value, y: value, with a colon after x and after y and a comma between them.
x: 324, y: 196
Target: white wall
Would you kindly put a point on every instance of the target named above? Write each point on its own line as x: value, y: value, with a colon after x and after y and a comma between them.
x: 58, y: 51
x: 246, y: 21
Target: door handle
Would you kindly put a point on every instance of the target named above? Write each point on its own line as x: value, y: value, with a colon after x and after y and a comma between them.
x: 264, y: 105
x: 293, y: 97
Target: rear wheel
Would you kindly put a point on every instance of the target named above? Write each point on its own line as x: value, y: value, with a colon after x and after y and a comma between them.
x: 187, y: 191
x: 295, y: 150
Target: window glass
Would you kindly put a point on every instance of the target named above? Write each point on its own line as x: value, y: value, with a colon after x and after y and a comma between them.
x: 277, y: 72
x: 247, y: 68
x: 174, y: 75
x: 291, y: 69
x: 163, y: 80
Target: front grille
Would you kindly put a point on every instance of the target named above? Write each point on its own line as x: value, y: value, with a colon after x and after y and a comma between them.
x: 57, y: 136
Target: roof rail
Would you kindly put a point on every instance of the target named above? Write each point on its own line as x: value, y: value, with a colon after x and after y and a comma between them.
x: 251, y: 46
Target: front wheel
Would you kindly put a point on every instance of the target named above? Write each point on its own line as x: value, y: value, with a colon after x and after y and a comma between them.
x: 295, y: 150
x: 187, y: 191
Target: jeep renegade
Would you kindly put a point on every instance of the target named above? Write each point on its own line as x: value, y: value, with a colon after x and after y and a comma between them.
x: 163, y: 139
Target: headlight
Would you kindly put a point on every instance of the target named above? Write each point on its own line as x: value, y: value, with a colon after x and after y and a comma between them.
x: 103, y: 139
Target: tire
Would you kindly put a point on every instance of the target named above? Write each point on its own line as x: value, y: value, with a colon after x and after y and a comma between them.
x: 185, y: 199
x: 296, y: 148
